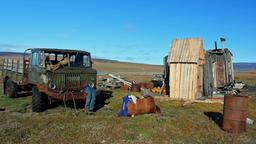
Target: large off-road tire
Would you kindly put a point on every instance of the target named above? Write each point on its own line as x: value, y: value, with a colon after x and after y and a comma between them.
x: 10, y: 89
x: 39, y: 100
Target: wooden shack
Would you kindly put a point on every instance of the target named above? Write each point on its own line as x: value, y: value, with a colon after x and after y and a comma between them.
x: 218, y: 70
x: 186, y: 60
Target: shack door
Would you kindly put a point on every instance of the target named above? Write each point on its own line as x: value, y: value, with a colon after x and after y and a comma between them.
x: 219, y: 70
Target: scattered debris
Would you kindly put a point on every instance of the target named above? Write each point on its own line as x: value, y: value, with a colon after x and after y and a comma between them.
x: 157, y: 77
x: 239, y: 85
x: 249, y: 121
x: 121, y: 80
x: 111, y: 81
x: 108, y: 83
x: 156, y: 89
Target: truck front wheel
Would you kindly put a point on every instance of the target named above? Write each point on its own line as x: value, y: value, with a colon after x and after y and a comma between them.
x: 39, y: 100
x: 10, y: 89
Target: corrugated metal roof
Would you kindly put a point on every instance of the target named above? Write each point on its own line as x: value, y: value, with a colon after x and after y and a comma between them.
x: 220, y: 51
x: 185, y: 50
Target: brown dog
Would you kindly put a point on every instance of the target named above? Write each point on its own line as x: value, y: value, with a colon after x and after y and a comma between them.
x: 143, y: 106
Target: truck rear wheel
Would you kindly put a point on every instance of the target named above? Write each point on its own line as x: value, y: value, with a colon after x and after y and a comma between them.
x: 39, y: 100
x: 10, y: 89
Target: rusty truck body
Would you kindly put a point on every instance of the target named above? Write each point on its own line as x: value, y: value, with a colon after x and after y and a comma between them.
x: 51, y: 75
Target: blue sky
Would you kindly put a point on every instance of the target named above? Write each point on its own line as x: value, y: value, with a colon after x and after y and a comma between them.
x: 127, y: 30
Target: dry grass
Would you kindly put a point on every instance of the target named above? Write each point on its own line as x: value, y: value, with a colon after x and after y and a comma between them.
x: 176, y: 124
x: 132, y: 71
x: 247, y: 77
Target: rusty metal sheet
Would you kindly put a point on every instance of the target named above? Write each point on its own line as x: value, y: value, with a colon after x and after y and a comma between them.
x: 62, y: 96
x: 220, y: 78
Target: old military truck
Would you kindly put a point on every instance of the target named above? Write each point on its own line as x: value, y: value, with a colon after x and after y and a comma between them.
x: 51, y: 75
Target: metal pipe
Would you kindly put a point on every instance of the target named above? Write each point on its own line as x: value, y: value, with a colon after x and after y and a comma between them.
x: 121, y: 80
x: 222, y: 42
x: 216, y: 47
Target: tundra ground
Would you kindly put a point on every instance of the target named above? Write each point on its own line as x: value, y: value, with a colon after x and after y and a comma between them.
x: 176, y: 123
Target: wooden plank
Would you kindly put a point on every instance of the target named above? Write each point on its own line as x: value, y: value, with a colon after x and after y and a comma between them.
x: 175, y: 81
x: 182, y: 84
x: 179, y: 82
x: 173, y: 54
x: 195, y: 82
x: 177, y: 86
x: 187, y: 79
x: 183, y: 51
x: 172, y: 79
x: 198, y: 81
x: 192, y: 82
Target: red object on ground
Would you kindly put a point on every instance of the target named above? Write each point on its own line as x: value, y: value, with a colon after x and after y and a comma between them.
x: 143, y: 106
x: 235, y: 113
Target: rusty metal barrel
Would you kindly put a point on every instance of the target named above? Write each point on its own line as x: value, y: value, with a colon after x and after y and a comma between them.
x: 135, y: 88
x: 235, y: 113
x: 147, y: 85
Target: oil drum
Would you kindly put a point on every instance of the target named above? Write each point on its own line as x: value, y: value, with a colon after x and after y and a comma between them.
x: 124, y: 87
x: 147, y: 85
x: 235, y: 113
x: 135, y: 88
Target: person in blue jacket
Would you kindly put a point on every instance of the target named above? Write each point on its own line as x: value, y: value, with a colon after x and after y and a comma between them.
x: 90, y: 97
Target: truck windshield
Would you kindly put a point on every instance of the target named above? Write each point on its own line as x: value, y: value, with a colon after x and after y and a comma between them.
x: 79, y: 60
x: 68, y: 59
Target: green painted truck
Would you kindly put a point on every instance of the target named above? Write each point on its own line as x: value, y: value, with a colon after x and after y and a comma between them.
x: 51, y: 74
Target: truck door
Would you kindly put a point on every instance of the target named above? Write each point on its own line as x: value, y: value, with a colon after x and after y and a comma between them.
x: 26, y: 61
x: 33, y: 69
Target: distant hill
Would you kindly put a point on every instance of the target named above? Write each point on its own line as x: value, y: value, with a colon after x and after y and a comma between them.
x: 245, y: 66
x: 11, y: 54
x: 239, y: 66
x: 19, y: 54
x: 104, y: 60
